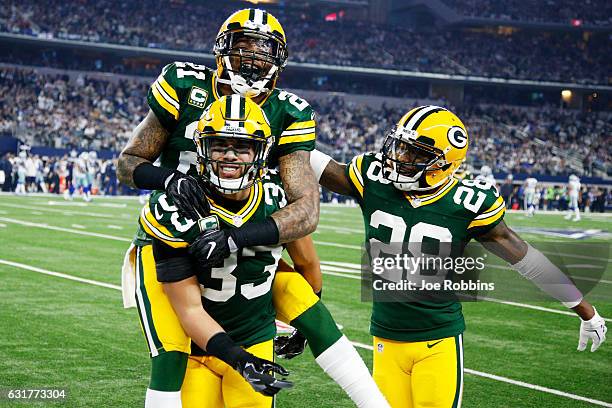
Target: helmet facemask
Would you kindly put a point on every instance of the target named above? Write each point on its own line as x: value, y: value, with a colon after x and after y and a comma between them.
x: 250, y: 60
x: 229, y: 161
x: 407, y: 159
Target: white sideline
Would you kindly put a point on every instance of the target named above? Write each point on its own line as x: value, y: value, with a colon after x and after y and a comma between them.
x: 326, y: 271
x: 356, y: 344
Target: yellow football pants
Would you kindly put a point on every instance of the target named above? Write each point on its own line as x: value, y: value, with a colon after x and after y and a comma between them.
x: 159, y: 322
x: 210, y: 383
x: 420, y: 374
x: 291, y: 293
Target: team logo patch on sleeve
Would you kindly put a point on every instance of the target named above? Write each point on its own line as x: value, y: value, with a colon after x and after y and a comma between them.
x: 197, y: 97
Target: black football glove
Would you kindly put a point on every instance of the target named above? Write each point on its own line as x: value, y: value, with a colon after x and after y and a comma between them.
x: 259, y: 373
x: 290, y: 346
x: 210, y: 248
x: 188, y: 194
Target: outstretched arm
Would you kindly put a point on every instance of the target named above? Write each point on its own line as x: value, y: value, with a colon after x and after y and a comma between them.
x: 330, y: 173
x: 533, y: 265
x: 301, y: 216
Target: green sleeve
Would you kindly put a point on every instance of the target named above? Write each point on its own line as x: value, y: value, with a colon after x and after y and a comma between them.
x: 355, y: 173
x: 490, y: 213
x: 161, y: 220
x: 299, y: 127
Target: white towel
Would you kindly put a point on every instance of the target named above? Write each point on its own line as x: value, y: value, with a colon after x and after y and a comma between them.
x: 128, y: 278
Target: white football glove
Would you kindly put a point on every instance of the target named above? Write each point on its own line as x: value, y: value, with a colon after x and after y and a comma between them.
x: 594, y: 329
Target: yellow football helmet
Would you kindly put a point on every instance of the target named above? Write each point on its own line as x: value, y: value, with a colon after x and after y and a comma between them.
x: 233, y: 123
x: 424, y: 149
x: 250, y: 50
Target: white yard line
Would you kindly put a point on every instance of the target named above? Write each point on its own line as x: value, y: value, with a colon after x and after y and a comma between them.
x: 67, y: 212
x: 356, y: 344
x: 69, y: 230
x: 59, y: 274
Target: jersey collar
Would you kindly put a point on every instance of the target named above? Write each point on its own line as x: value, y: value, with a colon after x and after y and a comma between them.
x: 425, y: 199
x: 237, y: 219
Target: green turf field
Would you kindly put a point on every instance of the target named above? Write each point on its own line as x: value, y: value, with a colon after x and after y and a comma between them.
x: 58, y: 332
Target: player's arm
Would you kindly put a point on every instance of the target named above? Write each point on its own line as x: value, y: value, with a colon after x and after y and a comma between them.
x: 533, y: 265
x: 331, y: 174
x: 306, y: 261
x: 301, y: 216
x: 144, y: 147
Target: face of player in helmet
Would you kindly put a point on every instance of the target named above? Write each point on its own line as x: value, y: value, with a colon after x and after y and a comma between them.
x: 230, y: 155
x: 231, y: 162
x: 408, y: 159
x: 250, y: 57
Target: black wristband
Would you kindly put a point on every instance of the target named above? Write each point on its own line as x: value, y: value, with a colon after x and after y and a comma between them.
x: 255, y: 234
x: 146, y: 176
x: 223, y: 347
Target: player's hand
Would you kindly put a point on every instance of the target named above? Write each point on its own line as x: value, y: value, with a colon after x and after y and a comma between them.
x: 595, y: 330
x: 290, y: 346
x: 188, y: 195
x: 210, y: 248
x: 259, y: 373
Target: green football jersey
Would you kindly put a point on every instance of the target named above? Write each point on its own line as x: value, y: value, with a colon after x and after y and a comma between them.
x: 237, y: 294
x: 182, y: 92
x: 456, y: 213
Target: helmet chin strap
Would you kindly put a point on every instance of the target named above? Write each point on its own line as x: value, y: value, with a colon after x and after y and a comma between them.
x: 241, y: 86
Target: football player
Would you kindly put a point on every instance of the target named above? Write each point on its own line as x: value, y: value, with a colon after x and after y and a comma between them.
x: 251, y: 51
x: 573, y: 191
x: 233, y: 143
x: 407, y: 193
x: 530, y: 197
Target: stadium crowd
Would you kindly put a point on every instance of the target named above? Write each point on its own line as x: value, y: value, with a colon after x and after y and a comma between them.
x: 162, y: 24
x: 93, y: 114
x: 51, y: 110
x: 593, y: 12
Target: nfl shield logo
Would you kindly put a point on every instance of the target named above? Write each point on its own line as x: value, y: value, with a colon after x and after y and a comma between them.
x: 380, y: 347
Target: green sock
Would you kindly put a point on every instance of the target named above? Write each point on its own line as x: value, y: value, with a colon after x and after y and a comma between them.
x: 168, y: 371
x: 319, y: 328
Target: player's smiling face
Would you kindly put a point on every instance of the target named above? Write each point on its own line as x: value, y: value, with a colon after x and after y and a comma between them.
x: 230, y: 155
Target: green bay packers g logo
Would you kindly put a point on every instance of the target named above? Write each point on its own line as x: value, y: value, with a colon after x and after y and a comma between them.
x: 197, y: 97
x: 457, y: 137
